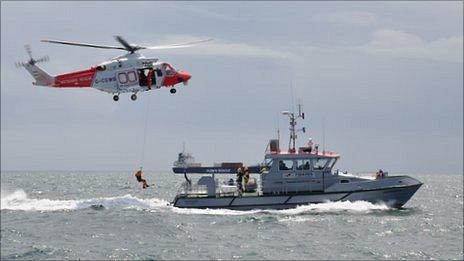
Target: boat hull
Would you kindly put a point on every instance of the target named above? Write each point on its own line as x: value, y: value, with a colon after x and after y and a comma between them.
x: 393, y: 196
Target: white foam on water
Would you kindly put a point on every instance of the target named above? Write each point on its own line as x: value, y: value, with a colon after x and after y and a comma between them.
x: 296, y: 219
x: 328, y: 207
x: 19, y: 200
x: 333, y: 207
x: 214, y: 212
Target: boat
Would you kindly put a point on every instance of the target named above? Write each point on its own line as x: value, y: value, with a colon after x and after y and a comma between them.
x: 287, y: 179
x: 185, y: 163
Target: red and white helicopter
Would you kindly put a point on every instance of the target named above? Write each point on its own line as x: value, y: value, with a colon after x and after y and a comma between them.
x: 131, y: 72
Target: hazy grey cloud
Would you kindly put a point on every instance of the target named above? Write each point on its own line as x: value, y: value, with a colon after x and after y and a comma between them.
x: 358, y: 18
x: 397, y: 43
x: 203, y: 12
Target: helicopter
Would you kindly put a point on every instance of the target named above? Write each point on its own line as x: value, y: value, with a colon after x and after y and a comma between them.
x: 128, y: 73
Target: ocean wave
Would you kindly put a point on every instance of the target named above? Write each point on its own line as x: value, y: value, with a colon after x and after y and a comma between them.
x: 19, y: 200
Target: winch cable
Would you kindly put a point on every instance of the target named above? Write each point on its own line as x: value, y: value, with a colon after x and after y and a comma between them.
x: 142, y: 158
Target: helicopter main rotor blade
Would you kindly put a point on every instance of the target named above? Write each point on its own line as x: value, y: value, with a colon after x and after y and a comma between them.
x: 124, y: 43
x: 28, y: 50
x: 84, y: 44
x: 128, y: 47
x: 173, y: 46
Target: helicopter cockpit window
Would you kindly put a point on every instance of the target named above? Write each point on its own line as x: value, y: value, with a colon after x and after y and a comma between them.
x: 168, y: 69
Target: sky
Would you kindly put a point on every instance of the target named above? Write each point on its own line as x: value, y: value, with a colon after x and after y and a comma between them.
x: 381, y: 84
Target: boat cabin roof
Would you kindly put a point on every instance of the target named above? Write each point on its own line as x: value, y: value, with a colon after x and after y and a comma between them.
x: 302, y: 154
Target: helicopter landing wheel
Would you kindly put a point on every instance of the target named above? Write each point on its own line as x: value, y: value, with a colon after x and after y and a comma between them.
x: 116, y: 98
x: 172, y: 90
x: 134, y: 97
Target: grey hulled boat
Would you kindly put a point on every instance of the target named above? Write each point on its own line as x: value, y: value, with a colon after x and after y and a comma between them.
x: 288, y: 179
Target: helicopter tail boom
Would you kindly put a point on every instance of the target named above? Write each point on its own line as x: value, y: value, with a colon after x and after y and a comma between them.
x: 41, y: 77
x: 78, y: 79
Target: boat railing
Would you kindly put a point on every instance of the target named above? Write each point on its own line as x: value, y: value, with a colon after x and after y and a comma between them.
x: 188, y: 189
x: 226, y: 190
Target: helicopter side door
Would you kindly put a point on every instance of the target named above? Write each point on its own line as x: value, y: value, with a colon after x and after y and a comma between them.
x: 157, y: 76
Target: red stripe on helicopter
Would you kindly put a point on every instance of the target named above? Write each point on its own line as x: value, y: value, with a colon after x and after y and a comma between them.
x: 79, y: 79
x: 170, y: 81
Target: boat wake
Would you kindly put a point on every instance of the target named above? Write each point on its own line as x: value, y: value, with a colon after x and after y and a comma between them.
x: 19, y: 200
x: 328, y: 207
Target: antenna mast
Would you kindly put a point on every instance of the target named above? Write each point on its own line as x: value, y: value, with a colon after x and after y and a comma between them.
x: 292, y: 128
x: 278, y: 130
x: 323, y: 137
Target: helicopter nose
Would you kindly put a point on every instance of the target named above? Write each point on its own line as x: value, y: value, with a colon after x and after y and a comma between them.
x: 184, y: 76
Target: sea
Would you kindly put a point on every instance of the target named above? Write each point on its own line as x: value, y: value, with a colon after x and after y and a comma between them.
x: 107, y: 215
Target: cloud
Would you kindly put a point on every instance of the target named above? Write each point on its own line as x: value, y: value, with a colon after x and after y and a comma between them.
x: 348, y: 17
x: 384, y: 42
x: 203, y: 12
x: 242, y: 49
x: 397, y: 43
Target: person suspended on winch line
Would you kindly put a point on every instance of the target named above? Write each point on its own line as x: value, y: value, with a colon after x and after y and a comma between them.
x: 138, y: 175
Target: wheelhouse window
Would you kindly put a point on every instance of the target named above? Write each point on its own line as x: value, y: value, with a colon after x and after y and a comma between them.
x: 319, y: 163
x: 303, y: 164
x: 267, y: 165
x: 268, y: 162
x: 331, y: 163
x: 286, y: 165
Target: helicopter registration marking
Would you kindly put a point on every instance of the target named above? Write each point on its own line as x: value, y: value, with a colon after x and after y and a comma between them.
x: 105, y: 80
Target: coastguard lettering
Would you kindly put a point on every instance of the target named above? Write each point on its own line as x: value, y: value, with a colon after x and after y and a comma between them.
x: 105, y: 80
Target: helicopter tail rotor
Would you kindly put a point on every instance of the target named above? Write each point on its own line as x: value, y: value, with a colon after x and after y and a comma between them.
x: 41, y: 77
x: 31, y: 61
